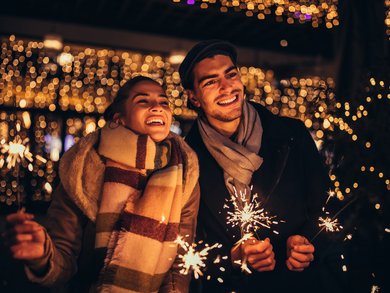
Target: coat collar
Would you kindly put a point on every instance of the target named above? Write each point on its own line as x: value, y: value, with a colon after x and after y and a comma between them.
x: 275, y: 151
x: 82, y: 172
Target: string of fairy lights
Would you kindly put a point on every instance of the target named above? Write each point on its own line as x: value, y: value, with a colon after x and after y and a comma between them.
x: 58, y: 97
x: 293, y: 11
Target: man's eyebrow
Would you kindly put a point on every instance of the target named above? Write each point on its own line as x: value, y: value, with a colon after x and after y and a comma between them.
x: 216, y: 75
x: 230, y: 69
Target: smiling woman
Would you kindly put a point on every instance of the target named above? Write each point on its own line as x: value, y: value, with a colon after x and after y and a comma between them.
x: 127, y: 192
x: 146, y: 110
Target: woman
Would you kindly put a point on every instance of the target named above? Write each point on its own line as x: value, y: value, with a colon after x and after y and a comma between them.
x: 127, y: 191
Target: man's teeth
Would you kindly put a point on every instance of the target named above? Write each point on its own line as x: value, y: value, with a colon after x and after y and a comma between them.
x: 228, y: 101
x: 151, y: 121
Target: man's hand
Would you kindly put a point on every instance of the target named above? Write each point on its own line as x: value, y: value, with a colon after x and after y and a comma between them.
x: 24, y: 237
x: 299, y: 253
x: 257, y: 253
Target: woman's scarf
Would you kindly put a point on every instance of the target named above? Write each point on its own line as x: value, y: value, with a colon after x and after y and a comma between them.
x: 139, y: 213
x: 238, y: 158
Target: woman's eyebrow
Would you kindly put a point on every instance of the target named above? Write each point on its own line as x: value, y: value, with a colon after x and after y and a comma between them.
x: 140, y: 94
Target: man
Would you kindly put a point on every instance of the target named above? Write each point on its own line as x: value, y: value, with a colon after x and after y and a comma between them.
x: 241, y: 145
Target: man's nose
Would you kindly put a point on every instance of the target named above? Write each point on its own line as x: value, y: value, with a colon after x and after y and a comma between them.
x: 224, y: 84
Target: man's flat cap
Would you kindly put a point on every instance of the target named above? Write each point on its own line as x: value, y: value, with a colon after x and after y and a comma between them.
x: 201, y: 51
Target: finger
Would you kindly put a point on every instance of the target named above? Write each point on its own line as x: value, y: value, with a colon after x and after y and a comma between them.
x: 27, y: 251
x: 18, y: 217
x: 297, y: 240
x: 291, y: 268
x: 304, y: 248
x: 257, y: 247
x: 18, y: 238
x: 302, y: 257
x: 265, y: 268
x: 252, y: 258
x: 263, y: 262
x: 26, y: 227
x: 297, y: 264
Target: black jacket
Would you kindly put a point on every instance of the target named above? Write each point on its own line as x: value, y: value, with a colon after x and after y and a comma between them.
x: 292, y: 184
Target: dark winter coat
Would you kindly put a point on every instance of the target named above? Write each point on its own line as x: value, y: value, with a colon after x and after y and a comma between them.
x: 292, y: 184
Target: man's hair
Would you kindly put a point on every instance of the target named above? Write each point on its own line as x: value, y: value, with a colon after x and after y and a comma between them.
x: 118, y: 104
x: 200, y: 51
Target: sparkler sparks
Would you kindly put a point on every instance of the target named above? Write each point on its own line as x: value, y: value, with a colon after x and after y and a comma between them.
x: 193, y: 260
x: 331, y: 194
x: 330, y: 225
x: 16, y: 151
x: 247, y: 213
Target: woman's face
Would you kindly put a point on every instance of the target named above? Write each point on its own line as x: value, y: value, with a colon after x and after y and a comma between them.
x: 147, y: 111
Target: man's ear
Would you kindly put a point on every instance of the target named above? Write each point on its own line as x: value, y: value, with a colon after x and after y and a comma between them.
x: 193, y: 99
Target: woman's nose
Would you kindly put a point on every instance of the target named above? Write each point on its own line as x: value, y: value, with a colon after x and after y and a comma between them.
x: 156, y: 107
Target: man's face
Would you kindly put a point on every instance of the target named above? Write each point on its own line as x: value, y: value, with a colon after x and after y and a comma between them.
x: 218, y: 90
x: 147, y: 111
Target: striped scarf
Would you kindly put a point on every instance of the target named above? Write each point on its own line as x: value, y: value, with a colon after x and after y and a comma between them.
x: 139, y: 213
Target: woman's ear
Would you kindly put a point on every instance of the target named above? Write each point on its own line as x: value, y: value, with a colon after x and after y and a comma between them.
x: 191, y: 96
x: 117, y: 118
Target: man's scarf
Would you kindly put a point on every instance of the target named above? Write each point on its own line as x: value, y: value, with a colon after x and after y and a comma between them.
x: 139, y: 212
x: 238, y: 158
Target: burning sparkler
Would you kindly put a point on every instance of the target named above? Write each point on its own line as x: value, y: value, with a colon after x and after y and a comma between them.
x: 330, y: 225
x: 247, y: 213
x: 16, y: 151
x: 192, y: 259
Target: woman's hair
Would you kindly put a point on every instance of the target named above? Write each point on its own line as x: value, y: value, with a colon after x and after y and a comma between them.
x: 118, y: 104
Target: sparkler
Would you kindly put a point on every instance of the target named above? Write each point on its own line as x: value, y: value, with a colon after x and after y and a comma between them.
x: 192, y: 259
x: 250, y: 216
x: 15, y: 153
x: 331, y: 224
x: 247, y: 213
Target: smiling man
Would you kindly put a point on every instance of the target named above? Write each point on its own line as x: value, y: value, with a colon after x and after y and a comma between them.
x: 243, y: 147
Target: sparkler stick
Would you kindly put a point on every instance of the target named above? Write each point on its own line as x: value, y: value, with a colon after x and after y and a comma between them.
x: 249, y: 215
x: 334, y: 218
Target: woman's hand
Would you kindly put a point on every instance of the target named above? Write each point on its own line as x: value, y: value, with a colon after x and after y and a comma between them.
x: 24, y: 237
x: 300, y: 253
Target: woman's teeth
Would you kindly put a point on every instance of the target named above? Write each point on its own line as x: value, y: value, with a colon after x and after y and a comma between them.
x: 155, y: 121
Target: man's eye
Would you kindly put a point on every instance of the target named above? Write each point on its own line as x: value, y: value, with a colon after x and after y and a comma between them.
x: 165, y: 104
x: 232, y: 74
x: 210, y: 82
x: 142, y: 101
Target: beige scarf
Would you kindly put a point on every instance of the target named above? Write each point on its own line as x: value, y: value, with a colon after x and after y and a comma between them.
x: 238, y: 158
x: 139, y: 213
